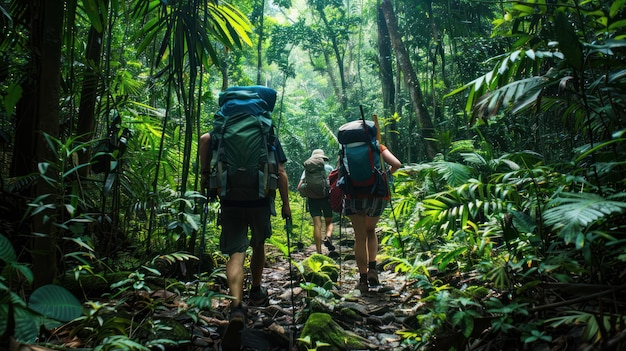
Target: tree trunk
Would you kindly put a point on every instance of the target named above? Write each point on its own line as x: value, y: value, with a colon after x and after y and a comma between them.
x: 386, y: 77
x: 87, y: 107
x: 24, y: 161
x: 410, y: 79
x: 46, y: 29
x: 259, y: 59
x: 338, y: 57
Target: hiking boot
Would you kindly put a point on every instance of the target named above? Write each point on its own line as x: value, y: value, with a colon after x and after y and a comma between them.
x: 372, y: 277
x: 231, y: 340
x: 259, y: 297
x: 333, y: 254
x: 362, y: 286
x: 329, y: 244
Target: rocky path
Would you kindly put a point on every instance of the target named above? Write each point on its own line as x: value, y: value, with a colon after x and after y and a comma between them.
x: 374, y: 317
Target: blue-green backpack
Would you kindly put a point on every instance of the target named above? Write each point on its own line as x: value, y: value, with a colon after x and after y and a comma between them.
x: 360, y: 160
x: 243, y: 162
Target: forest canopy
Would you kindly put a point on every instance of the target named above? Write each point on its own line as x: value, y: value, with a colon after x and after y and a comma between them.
x: 508, y: 218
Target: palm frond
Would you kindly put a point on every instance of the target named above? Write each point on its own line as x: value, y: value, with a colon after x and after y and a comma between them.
x: 583, y: 209
x: 518, y: 94
x: 454, y: 173
x: 502, y: 88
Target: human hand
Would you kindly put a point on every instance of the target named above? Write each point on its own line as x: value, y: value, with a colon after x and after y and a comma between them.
x: 286, y: 210
x: 389, y: 175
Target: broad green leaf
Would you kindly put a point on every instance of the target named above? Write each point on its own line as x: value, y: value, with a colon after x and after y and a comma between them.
x: 526, y: 10
x: 523, y: 222
x: 616, y: 7
x: 442, y: 261
x: 478, y: 82
x: 26, y: 330
x: 618, y: 25
x: 190, y: 219
x: 93, y: 9
x: 7, y: 252
x: 24, y: 271
x: 13, y: 95
x: 55, y: 302
x: 569, y: 43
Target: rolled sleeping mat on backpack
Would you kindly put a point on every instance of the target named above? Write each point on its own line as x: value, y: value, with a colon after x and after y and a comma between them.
x: 257, y: 98
x: 355, y: 131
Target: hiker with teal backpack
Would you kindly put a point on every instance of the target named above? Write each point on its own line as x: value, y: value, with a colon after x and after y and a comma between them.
x: 364, y: 181
x: 315, y: 187
x: 242, y: 165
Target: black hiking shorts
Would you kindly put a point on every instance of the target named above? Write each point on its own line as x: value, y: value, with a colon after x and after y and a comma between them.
x: 235, y: 222
x: 320, y: 207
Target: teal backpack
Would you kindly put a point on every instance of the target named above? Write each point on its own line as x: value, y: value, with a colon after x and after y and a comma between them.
x: 361, y: 171
x: 243, y: 161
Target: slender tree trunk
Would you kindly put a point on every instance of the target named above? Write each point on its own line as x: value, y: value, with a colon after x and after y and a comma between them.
x: 24, y: 161
x: 338, y: 57
x: 437, y: 50
x: 223, y: 67
x: 386, y: 76
x: 259, y: 47
x: 46, y: 29
x: 331, y: 76
x: 410, y: 78
x: 86, y: 113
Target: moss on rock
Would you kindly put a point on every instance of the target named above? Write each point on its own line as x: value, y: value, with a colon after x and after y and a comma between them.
x: 320, y: 270
x: 320, y: 327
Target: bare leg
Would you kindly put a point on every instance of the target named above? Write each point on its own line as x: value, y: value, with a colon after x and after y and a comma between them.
x: 234, y: 274
x: 329, y: 227
x: 317, y: 233
x: 372, y: 239
x: 257, y: 263
x: 360, y: 241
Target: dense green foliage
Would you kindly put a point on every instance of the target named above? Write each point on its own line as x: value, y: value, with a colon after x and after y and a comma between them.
x: 523, y: 207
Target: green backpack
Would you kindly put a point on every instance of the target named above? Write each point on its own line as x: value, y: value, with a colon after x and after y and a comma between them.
x: 315, y: 184
x: 243, y: 162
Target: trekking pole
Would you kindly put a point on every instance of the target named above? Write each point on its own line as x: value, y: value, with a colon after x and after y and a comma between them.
x: 289, y: 231
x: 300, y: 244
x: 203, y: 220
x: 362, y: 115
x: 203, y: 223
x: 340, y: 239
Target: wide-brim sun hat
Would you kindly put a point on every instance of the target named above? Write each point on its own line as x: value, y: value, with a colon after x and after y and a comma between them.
x: 319, y: 153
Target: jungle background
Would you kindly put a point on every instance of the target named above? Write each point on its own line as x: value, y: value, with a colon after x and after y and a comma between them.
x: 509, y: 116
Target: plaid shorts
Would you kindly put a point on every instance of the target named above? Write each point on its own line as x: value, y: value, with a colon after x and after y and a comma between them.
x: 369, y: 206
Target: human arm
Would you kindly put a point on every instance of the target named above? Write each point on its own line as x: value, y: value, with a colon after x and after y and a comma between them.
x: 204, y: 152
x: 391, y: 160
x: 283, y: 189
x: 301, y: 180
x: 283, y: 181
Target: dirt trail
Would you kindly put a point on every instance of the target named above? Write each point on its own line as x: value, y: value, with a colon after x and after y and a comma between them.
x: 376, y: 315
